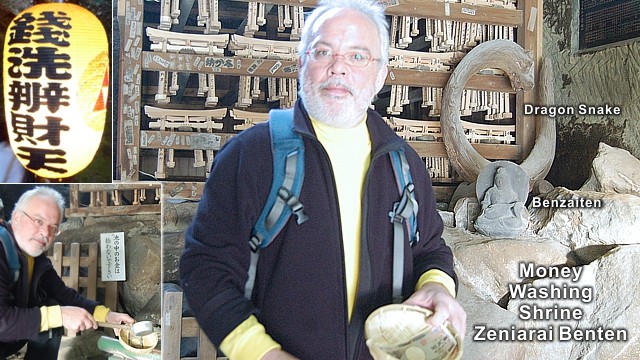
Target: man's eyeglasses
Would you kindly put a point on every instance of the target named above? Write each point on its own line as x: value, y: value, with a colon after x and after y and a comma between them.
x: 52, y: 230
x: 352, y: 58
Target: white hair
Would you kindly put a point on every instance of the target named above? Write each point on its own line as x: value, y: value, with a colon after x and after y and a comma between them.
x: 41, y: 191
x: 369, y: 8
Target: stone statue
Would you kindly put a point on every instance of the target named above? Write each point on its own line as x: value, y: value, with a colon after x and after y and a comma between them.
x: 503, y: 212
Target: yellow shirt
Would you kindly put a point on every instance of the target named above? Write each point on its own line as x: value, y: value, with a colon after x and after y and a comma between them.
x: 350, y: 153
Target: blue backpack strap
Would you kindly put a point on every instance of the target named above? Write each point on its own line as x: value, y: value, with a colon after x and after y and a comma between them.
x: 288, y: 174
x: 403, y: 216
x: 12, y: 256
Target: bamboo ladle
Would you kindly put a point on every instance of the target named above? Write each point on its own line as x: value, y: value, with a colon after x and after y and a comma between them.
x: 140, y: 328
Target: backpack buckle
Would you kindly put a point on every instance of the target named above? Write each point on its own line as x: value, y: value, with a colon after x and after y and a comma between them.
x: 294, y: 204
x: 254, y: 243
x: 416, y: 239
x: 395, y: 215
x: 403, y: 209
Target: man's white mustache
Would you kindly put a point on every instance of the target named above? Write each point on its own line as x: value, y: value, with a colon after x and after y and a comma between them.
x: 334, y: 83
x: 42, y: 240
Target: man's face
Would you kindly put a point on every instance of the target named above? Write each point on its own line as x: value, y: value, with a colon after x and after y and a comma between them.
x: 32, y: 238
x: 336, y: 93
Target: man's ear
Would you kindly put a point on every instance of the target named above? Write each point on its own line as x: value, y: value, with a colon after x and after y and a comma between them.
x: 381, y: 77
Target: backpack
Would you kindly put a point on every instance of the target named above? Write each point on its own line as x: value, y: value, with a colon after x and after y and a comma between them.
x: 12, y: 256
x: 288, y: 175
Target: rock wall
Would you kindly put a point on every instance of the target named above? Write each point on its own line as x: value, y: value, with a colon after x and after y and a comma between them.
x: 140, y: 293
x: 589, y: 234
x: 175, y: 220
x: 610, y: 76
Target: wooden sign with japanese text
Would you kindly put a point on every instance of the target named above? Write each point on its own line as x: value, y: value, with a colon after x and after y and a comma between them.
x: 112, y: 258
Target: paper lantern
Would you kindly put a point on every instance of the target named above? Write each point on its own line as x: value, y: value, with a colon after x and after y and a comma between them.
x: 55, y: 85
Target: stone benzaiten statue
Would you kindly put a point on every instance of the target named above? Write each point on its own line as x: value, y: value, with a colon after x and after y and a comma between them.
x: 502, y: 192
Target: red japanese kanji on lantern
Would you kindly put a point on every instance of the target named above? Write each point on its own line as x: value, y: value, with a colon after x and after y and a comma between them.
x: 55, y: 84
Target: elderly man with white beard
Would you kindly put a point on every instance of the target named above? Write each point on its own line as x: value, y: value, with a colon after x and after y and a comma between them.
x: 35, y: 305
x: 317, y: 282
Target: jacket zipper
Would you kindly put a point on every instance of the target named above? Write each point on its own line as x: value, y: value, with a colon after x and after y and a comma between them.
x: 352, y: 346
x: 345, y: 309
x: 366, y: 256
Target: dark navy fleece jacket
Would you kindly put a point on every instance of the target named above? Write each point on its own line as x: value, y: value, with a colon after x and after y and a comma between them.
x: 300, y: 292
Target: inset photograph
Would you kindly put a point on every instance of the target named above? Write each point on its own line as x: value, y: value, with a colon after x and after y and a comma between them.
x: 80, y: 271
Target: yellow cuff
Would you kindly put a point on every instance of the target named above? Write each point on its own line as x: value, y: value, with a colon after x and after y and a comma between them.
x: 100, y: 313
x: 248, y: 341
x: 439, y: 276
x: 50, y: 317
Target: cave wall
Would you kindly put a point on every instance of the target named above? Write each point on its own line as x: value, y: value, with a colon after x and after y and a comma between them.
x: 605, y: 77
